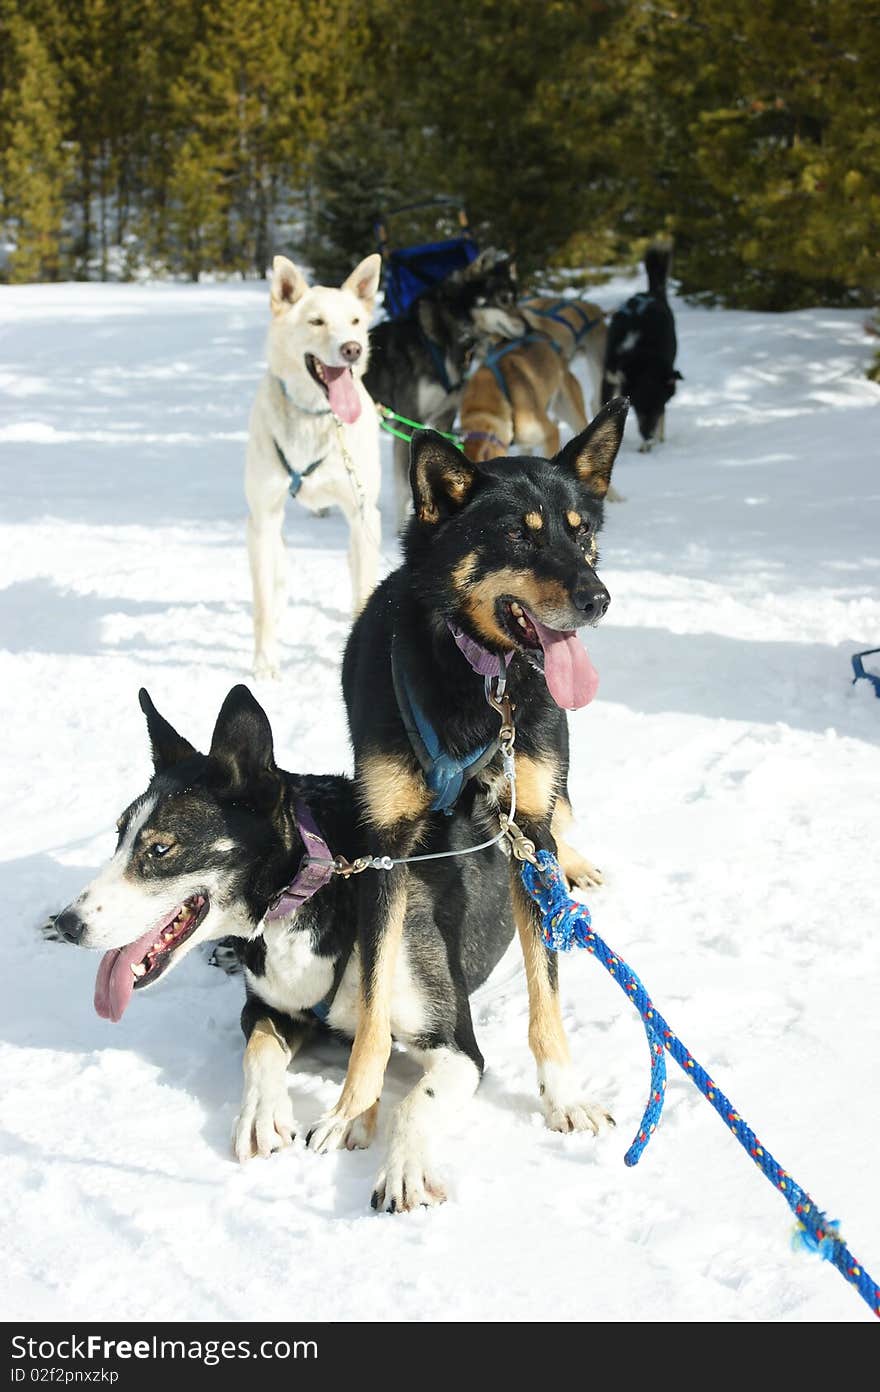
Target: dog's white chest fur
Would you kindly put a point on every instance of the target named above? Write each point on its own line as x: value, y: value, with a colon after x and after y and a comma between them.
x: 294, y: 977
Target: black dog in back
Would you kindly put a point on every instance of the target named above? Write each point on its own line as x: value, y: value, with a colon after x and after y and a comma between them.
x: 640, y: 351
x: 205, y: 852
x: 498, y: 569
x: 418, y: 363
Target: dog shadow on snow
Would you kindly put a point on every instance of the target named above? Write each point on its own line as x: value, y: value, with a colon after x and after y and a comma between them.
x: 39, y: 616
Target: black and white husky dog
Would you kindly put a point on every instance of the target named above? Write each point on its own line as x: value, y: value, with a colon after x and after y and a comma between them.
x: 217, y: 847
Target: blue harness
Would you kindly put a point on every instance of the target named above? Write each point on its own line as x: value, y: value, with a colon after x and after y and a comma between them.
x: 438, y: 357
x: 445, y: 773
x: 494, y: 356
x: 296, y: 475
x: 554, y: 312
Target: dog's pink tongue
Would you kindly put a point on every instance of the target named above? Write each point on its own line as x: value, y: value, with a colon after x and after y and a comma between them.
x: 115, y: 983
x: 571, y: 678
x: 344, y: 400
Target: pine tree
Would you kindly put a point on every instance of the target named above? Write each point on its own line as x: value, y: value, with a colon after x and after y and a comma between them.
x: 33, y: 160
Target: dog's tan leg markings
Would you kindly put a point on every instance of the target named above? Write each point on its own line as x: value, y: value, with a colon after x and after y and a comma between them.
x: 570, y: 403
x: 372, y: 1040
x: 547, y: 1039
x: 408, y: 1177
x: 265, y: 1122
x: 392, y: 790
x: 564, y: 1109
x: 537, y: 784
x: 551, y: 438
x: 577, y: 869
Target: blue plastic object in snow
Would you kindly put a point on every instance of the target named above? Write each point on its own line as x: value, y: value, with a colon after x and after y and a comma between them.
x: 859, y: 669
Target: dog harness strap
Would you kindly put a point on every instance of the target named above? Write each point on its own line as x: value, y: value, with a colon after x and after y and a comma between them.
x: 439, y: 359
x: 315, y: 868
x: 554, y: 312
x: 322, y: 1007
x: 445, y: 774
x: 494, y: 357
x: 296, y: 475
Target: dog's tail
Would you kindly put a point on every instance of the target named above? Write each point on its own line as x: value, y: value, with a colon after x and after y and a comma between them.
x: 658, y: 259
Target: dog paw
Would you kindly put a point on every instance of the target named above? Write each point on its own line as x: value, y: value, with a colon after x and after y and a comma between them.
x: 332, y: 1132
x: 583, y: 874
x: 264, y: 1124
x: 563, y: 1109
x: 266, y: 670
x: 576, y: 1116
x: 405, y: 1183
x: 362, y: 1129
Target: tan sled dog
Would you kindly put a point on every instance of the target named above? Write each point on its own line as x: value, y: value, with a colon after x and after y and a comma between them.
x: 314, y: 434
x: 578, y: 328
x: 510, y: 398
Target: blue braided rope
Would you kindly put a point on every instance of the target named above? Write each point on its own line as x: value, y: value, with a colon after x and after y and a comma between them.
x: 567, y: 924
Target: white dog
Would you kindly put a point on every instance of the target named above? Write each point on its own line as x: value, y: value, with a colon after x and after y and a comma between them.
x: 314, y: 433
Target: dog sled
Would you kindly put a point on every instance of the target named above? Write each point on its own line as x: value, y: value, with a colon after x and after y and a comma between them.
x: 411, y: 270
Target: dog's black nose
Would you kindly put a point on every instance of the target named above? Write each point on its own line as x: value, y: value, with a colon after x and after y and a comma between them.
x: 69, y: 926
x: 592, y: 600
x: 351, y: 351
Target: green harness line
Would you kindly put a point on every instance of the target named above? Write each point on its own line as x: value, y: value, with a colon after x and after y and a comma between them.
x: 386, y: 416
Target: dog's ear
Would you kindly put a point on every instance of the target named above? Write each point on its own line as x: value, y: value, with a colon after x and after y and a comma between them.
x: 241, y: 761
x: 485, y: 261
x: 440, y: 476
x: 591, y: 454
x: 364, y: 279
x: 169, y: 748
x: 287, y: 287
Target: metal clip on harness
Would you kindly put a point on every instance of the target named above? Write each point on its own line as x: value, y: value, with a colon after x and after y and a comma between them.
x: 518, y: 845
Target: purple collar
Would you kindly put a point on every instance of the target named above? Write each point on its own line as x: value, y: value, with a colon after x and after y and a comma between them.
x: 485, y: 435
x: 312, y: 874
x: 484, y: 662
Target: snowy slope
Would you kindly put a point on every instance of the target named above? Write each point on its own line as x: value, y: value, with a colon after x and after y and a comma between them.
x: 726, y: 778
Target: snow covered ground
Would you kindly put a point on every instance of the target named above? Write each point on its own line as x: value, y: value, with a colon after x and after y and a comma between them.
x: 727, y: 782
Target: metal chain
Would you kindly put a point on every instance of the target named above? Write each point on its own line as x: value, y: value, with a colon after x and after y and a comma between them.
x: 357, y: 487
x: 520, y: 846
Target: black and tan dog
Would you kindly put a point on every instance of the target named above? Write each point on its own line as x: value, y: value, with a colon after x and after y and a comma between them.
x: 419, y: 362
x: 214, y: 849
x: 498, y: 576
